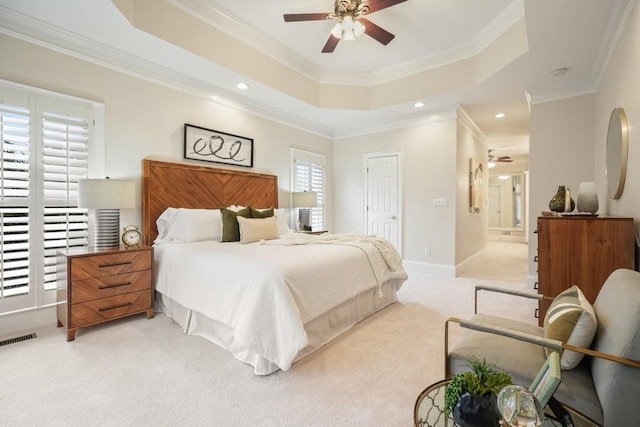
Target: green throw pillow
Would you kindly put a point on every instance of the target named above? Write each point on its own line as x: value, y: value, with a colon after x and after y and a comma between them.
x: 230, y: 227
x: 572, y: 320
x: 264, y: 213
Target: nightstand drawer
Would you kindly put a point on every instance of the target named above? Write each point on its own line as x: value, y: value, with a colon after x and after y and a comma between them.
x: 103, y: 309
x: 108, y: 286
x: 110, y: 264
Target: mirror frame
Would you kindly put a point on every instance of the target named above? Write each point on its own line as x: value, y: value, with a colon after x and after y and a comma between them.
x: 617, y: 150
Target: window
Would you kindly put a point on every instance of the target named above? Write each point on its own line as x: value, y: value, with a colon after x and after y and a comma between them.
x: 309, y: 175
x: 45, y: 151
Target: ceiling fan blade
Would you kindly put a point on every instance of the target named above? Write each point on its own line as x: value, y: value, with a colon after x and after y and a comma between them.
x: 506, y: 159
x: 377, y: 33
x: 376, y: 5
x: 330, y: 45
x: 297, y: 17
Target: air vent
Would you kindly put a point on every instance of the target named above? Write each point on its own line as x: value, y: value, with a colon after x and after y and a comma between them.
x: 18, y: 339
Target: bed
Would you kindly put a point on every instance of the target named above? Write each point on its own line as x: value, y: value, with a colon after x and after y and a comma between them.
x: 268, y: 301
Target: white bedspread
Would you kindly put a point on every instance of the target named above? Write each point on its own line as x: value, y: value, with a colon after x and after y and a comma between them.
x: 265, y: 293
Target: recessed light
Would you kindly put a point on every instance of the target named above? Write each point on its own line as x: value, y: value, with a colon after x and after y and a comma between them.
x: 559, y: 72
x: 418, y: 104
x: 499, y: 115
x: 242, y: 86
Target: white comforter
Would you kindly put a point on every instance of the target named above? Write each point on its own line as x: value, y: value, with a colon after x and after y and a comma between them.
x: 265, y: 293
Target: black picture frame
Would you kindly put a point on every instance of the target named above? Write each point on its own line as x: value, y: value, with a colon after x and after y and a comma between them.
x: 213, y: 146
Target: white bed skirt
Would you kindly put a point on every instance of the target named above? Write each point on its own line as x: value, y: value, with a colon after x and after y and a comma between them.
x: 319, y: 331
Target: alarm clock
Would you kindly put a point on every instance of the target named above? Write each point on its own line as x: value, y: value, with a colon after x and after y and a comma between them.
x: 131, y: 236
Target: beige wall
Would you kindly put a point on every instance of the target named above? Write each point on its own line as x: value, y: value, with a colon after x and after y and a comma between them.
x: 568, y: 137
x: 428, y: 172
x: 435, y: 165
x: 144, y: 119
x: 620, y: 87
x: 561, y: 153
x: 470, y: 228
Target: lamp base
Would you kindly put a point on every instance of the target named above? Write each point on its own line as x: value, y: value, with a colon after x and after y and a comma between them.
x: 107, y: 229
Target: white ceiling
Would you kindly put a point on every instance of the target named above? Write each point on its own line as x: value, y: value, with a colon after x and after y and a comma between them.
x: 576, y: 34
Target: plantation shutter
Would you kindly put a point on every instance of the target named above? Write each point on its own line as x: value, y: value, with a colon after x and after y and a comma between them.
x: 309, y: 176
x: 45, y: 141
x: 14, y: 200
x: 65, y: 161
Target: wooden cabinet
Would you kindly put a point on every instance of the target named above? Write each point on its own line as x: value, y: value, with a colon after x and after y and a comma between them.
x: 581, y: 251
x: 95, y: 286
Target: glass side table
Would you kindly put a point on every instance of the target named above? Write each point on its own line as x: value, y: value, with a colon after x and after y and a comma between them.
x: 429, y: 410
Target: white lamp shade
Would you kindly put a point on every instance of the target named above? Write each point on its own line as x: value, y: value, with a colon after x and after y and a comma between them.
x: 106, y: 194
x: 305, y: 199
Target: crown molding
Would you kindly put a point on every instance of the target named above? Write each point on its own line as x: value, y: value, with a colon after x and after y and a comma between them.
x: 614, y: 31
x: 585, y: 88
x: 470, y: 125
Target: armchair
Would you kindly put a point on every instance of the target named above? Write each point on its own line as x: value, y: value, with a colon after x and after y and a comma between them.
x: 603, y: 387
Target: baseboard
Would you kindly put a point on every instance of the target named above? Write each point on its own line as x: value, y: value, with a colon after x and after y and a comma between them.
x: 27, y: 320
x: 430, y: 268
x: 464, y: 265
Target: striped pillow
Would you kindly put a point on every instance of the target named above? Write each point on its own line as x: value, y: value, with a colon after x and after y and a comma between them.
x: 572, y: 320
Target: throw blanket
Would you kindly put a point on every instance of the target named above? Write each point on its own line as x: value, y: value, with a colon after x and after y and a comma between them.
x: 381, y: 254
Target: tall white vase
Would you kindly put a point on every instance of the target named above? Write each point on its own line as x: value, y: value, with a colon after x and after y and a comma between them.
x: 587, y: 200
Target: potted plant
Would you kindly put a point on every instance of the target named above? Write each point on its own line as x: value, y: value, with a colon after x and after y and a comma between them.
x: 471, y: 395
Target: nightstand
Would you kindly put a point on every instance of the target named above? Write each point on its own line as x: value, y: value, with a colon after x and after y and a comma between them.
x: 99, y: 285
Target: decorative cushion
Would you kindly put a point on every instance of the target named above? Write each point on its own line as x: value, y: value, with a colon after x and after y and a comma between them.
x: 572, y: 320
x: 282, y: 220
x: 256, y: 229
x: 261, y: 213
x: 230, y: 228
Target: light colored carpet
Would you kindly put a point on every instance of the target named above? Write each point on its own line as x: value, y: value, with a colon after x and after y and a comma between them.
x: 142, y: 372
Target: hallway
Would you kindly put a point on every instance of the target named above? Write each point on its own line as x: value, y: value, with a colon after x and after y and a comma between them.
x: 500, y: 260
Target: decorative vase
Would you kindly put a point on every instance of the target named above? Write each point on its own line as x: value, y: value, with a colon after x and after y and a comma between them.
x: 587, y: 198
x: 476, y: 411
x: 559, y: 202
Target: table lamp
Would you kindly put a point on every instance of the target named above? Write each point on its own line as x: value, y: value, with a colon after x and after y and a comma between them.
x: 106, y: 197
x: 304, y: 200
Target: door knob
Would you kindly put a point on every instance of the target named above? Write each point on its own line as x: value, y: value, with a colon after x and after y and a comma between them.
x: 392, y: 217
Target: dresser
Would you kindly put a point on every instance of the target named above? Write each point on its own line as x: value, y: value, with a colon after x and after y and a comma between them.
x: 583, y: 251
x: 96, y: 286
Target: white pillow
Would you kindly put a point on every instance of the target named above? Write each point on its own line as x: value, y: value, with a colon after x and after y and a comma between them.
x: 189, y: 225
x: 282, y: 221
x: 163, y: 225
x: 256, y: 229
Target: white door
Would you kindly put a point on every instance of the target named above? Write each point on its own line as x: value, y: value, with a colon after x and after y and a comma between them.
x: 495, y: 206
x: 383, y: 198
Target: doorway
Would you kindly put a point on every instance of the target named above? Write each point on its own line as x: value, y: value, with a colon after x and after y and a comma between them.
x: 383, y: 196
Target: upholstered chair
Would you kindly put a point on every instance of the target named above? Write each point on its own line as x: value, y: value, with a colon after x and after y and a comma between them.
x: 603, y: 386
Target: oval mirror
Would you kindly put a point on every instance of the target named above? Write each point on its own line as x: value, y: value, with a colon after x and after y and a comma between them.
x: 617, y: 149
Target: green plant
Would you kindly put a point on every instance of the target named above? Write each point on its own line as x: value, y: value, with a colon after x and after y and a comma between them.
x: 481, y: 380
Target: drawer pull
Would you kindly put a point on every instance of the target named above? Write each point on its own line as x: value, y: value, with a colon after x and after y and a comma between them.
x: 115, y: 306
x: 114, y: 265
x: 115, y: 286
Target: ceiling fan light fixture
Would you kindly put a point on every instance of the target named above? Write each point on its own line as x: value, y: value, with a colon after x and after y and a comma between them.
x: 336, y: 31
x: 491, y: 164
x: 347, y: 23
x: 358, y: 28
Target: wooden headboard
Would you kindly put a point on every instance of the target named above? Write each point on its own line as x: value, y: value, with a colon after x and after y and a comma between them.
x: 180, y: 185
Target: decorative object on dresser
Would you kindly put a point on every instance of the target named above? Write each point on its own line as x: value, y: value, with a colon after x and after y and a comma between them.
x: 582, y: 251
x: 218, y: 147
x: 562, y: 201
x: 107, y: 197
x: 304, y: 201
x: 96, y: 286
x: 587, y: 200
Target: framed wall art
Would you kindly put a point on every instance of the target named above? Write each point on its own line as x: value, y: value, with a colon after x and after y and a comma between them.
x: 218, y: 147
x: 476, y: 176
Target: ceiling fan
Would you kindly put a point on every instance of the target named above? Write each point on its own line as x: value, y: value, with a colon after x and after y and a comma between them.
x: 498, y: 159
x: 350, y: 21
